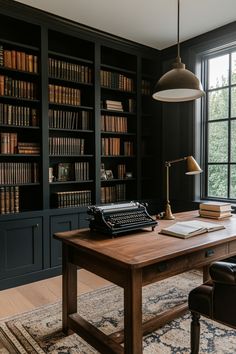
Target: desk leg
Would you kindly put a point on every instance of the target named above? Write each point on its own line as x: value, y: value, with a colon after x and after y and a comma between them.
x: 69, y: 287
x: 133, y: 335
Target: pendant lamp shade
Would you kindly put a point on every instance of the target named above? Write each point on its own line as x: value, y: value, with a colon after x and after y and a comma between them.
x: 178, y: 84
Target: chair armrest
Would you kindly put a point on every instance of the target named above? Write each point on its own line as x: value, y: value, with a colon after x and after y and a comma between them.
x: 223, y: 272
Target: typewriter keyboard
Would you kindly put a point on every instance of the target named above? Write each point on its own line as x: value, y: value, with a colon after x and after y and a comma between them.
x: 128, y: 218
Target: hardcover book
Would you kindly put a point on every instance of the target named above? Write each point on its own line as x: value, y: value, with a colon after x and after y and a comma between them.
x: 186, y: 229
x: 217, y: 206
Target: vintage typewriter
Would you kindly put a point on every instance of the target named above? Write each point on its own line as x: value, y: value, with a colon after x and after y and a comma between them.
x: 115, y: 219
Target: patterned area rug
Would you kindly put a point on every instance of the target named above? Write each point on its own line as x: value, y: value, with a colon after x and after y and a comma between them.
x: 39, y: 331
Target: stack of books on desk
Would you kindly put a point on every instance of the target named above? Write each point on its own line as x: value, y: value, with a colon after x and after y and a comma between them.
x: 215, y: 210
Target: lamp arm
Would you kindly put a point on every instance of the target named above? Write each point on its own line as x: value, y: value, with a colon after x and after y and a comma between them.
x: 169, y: 163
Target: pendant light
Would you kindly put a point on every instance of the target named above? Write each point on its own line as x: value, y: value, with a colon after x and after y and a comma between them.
x: 178, y: 84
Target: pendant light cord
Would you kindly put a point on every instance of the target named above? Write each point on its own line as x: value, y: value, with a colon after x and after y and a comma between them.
x: 178, y: 32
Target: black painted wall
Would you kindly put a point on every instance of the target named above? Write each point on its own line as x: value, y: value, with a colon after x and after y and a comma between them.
x: 181, y: 122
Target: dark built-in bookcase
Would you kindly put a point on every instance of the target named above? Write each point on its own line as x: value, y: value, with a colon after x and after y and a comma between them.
x: 118, y: 78
x: 78, y: 127
x: 71, y: 120
x: 20, y: 117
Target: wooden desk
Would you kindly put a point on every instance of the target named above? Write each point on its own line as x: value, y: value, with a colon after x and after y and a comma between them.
x: 131, y: 262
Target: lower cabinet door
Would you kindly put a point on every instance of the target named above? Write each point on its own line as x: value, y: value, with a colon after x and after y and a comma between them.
x: 20, y: 247
x: 83, y: 221
x: 59, y: 224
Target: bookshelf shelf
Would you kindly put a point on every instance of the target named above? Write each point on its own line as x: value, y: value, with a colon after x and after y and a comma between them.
x: 69, y: 156
x: 30, y: 127
x: 70, y: 82
x: 124, y: 113
x: 18, y: 45
x: 70, y: 57
x: 58, y: 105
x: 126, y: 92
x: 115, y: 180
x: 21, y: 185
x: 71, y: 182
x: 82, y: 131
x: 20, y: 155
x: 10, y: 71
x: 117, y: 133
x: 118, y: 69
x: 119, y: 156
x: 19, y: 99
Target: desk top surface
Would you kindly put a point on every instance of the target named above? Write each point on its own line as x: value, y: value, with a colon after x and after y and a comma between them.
x: 142, y: 248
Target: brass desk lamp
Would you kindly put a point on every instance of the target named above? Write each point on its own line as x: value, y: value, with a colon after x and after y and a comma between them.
x: 192, y: 168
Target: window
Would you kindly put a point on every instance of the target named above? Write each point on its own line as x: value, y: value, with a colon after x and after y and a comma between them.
x: 220, y: 125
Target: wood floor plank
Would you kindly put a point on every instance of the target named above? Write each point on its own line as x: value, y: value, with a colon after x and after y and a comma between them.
x: 27, y: 297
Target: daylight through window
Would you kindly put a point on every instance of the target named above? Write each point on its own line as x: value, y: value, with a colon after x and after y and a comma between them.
x: 220, y: 125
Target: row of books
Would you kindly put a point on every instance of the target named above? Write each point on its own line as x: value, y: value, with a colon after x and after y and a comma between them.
x: 10, y: 145
x: 9, y: 200
x: 69, y: 71
x: 215, y: 210
x: 116, y: 81
x: 121, y: 171
x: 128, y: 148
x: 19, y: 172
x: 146, y: 87
x: 66, y: 146
x: 78, y: 171
x: 73, y: 199
x: 28, y: 148
x: 114, y: 124
x: 18, y: 115
x: 128, y: 105
x: 112, y: 194
x: 111, y: 146
x: 64, y: 95
x: 114, y: 105
x: 18, y: 60
x: 17, y: 88
x: 69, y: 120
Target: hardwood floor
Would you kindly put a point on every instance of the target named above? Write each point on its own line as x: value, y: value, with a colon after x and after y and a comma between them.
x: 28, y: 297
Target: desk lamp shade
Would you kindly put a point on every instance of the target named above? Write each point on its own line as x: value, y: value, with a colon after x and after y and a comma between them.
x: 192, y: 167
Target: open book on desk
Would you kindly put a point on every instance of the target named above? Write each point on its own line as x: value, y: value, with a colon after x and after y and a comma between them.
x: 185, y: 229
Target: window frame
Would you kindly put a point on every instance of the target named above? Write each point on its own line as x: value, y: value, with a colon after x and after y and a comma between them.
x: 205, y: 123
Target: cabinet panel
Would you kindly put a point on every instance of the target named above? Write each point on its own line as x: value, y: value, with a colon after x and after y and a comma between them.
x: 59, y: 224
x: 20, y: 247
x: 83, y: 221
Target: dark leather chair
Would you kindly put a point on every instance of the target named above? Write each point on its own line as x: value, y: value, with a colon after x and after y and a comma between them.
x: 215, y: 300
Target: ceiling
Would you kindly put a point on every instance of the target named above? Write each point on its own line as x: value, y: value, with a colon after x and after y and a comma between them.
x: 150, y: 22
